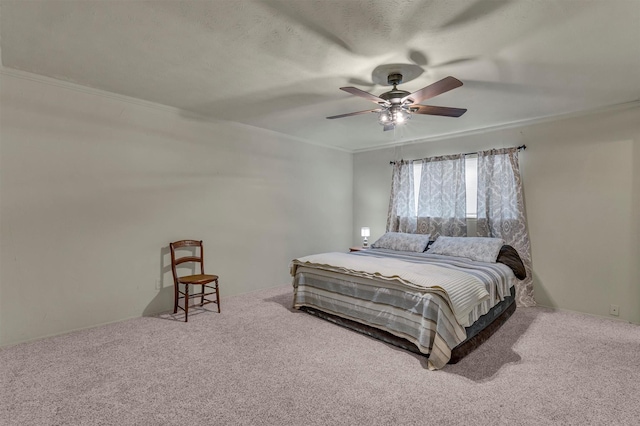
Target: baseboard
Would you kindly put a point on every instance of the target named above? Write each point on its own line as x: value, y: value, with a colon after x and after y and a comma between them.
x: 62, y: 333
x: 553, y: 308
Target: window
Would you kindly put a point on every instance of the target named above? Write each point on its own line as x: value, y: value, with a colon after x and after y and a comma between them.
x: 471, y: 184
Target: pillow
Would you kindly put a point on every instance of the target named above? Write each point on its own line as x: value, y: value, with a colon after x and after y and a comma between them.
x: 510, y: 257
x: 482, y: 249
x: 402, y: 241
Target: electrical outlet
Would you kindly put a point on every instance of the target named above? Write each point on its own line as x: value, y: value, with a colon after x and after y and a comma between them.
x: 158, y: 284
x: 614, y: 310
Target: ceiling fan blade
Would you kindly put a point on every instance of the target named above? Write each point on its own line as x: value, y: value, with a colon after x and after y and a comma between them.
x: 437, y: 110
x: 388, y: 127
x: 363, y: 94
x: 354, y: 113
x: 435, y: 89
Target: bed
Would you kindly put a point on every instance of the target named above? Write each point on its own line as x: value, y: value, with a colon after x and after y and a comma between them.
x: 440, y: 302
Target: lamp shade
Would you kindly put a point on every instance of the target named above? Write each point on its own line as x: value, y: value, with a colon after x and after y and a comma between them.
x: 365, y: 232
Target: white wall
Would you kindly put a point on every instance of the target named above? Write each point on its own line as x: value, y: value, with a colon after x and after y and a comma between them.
x: 95, y: 186
x: 582, y: 193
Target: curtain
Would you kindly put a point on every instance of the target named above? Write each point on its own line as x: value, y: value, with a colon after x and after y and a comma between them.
x: 442, y: 200
x: 501, y: 209
x: 441, y: 204
x: 402, y: 207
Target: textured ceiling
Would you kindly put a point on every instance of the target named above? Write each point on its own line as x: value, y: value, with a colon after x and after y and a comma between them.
x: 278, y: 64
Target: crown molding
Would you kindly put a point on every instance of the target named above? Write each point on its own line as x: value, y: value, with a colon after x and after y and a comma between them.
x: 510, y: 125
x: 37, y: 78
x: 185, y: 113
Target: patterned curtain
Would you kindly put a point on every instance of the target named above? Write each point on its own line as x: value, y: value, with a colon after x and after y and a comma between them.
x: 402, y: 204
x: 442, y: 197
x: 501, y: 209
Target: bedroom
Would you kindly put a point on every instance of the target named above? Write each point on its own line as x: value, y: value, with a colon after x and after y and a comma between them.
x: 94, y: 184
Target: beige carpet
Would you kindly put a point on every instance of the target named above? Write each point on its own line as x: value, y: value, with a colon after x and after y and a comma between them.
x: 261, y: 363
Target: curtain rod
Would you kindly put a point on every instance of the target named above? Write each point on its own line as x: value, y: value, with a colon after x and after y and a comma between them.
x: 520, y: 148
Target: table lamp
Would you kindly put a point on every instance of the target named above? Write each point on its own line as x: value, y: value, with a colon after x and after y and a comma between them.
x: 365, y: 232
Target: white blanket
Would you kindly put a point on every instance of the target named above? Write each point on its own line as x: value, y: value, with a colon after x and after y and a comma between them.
x: 463, y: 291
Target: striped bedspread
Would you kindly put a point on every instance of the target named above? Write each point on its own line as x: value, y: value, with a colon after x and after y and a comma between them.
x: 497, y: 278
x: 426, y: 299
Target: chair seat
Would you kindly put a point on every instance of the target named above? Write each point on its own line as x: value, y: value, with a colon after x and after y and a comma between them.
x: 198, y: 279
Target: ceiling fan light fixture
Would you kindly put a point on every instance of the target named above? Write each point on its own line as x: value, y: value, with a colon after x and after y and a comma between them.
x: 384, y: 117
x: 402, y: 116
x: 394, y: 115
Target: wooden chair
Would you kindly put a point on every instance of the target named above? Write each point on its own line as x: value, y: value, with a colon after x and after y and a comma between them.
x: 203, y: 280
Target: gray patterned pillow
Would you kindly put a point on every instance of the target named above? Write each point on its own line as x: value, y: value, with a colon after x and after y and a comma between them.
x: 482, y: 249
x: 402, y: 241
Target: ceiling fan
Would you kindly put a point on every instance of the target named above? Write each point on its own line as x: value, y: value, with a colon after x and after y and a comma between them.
x: 396, y: 106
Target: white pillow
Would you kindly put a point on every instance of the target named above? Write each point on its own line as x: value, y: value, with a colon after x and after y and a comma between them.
x: 482, y: 249
x: 402, y: 241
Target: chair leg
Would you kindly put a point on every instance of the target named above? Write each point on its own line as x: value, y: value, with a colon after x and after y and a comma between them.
x: 217, y: 296
x: 186, y: 302
x: 202, y: 295
x: 175, y: 298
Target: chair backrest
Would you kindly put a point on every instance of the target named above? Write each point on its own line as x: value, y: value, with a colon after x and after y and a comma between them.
x: 197, y: 257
